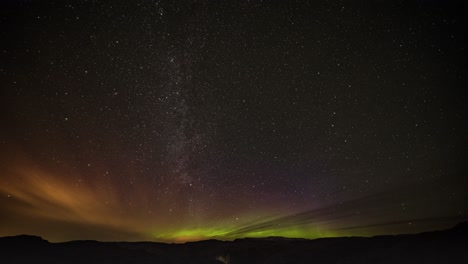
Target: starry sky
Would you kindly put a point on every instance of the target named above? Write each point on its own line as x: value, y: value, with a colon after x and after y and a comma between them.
x: 177, y: 121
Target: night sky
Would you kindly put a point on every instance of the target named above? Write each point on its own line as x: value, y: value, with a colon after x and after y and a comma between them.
x: 186, y: 120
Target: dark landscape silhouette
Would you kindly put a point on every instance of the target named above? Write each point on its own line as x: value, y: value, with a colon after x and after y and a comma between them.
x: 447, y: 246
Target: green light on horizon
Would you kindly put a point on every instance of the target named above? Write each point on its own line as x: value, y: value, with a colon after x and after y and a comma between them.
x: 197, y: 234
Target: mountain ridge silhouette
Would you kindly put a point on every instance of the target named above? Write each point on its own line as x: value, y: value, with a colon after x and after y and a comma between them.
x: 445, y: 246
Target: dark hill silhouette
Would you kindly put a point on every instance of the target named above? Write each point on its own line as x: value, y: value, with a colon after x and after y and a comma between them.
x: 448, y: 246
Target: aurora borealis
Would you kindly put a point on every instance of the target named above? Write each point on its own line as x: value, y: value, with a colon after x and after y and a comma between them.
x: 176, y: 121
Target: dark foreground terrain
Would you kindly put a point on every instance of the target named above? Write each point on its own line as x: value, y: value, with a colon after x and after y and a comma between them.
x: 449, y: 246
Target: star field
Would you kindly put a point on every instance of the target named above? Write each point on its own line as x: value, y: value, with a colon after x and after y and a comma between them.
x: 157, y: 120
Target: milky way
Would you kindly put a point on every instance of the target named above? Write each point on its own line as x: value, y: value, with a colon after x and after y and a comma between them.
x: 164, y: 121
